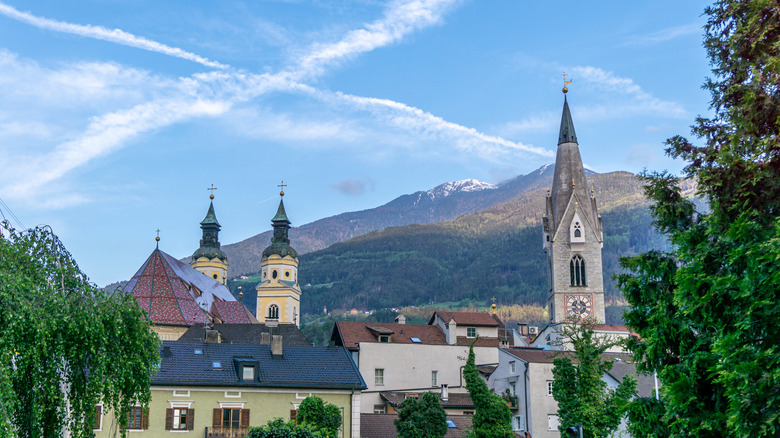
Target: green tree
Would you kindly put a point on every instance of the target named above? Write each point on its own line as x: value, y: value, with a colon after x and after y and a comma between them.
x: 278, y: 428
x: 492, y: 417
x: 423, y: 418
x: 66, y: 344
x: 321, y: 417
x: 707, y: 310
x: 579, y: 388
x: 643, y: 418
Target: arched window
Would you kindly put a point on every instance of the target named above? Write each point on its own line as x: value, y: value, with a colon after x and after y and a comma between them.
x: 577, y: 271
x: 577, y: 232
x: 295, y: 315
x: 273, y: 311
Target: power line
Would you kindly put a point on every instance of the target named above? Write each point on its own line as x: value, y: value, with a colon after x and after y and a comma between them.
x: 11, y: 213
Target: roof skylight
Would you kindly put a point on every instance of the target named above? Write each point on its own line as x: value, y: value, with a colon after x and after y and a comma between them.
x: 416, y: 340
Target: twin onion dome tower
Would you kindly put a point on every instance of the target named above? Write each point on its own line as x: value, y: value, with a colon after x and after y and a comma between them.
x: 278, y: 293
x: 572, y: 235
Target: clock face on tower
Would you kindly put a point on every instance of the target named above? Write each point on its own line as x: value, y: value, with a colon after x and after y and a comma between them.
x: 578, y: 306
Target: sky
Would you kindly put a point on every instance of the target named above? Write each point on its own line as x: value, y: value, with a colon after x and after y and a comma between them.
x: 116, y: 116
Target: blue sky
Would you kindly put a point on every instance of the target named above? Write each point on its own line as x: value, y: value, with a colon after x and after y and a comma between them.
x: 116, y: 116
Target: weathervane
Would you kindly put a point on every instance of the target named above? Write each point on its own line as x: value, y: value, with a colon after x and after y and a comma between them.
x: 212, y: 188
x: 282, y: 185
x: 565, y: 83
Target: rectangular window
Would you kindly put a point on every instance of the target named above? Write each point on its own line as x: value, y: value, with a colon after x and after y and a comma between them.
x: 434, y: 378
x: 512, y: 367
x: 552, y: 422
x: 379, y: 409
x: 249, y: 373
x: 135, y: 418
x: 180, y: 418
x: 98, y: 417
x: 384, y: 338
x: 379, y: 376
x: 519, y: 423
x: 231, y: 418
x: 471, y: 332
x: 549, y: 388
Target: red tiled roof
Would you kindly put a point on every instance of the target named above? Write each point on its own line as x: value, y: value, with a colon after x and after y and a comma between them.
x: 482, y: 319
x: 459, y: 400
x: 382, y: 426
x: 478, y: 342
x: 350, y: 333
x: 232, y: 312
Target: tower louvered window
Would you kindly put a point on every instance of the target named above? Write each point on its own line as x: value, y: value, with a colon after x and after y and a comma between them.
x: 577, y: 271
x: 273, y: 311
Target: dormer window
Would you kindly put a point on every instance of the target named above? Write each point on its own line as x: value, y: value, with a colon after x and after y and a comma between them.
x: 384, y: 338
x: 248, y: 372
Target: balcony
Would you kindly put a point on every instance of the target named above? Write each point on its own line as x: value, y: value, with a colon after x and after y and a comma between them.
x: 224, y: 432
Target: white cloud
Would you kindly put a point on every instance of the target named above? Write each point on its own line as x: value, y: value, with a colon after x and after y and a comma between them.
x: 101, y: 33
x: 665, y: 35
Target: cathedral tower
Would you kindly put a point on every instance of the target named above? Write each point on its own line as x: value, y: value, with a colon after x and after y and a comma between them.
x: 209, y: 259
x: 572, y: 235
x: 278, y: 293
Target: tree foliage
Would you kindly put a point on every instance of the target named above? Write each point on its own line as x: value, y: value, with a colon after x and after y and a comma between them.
x: 707, y: 310
x: 321, y: 417
x: 66, y: 345
x: 643, y: 418
x: 492, y: 417
x: 421, y: 418
x: 278, y: 428
x: 579, y: 388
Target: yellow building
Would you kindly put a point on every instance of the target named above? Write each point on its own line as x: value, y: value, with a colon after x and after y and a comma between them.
x: 209, y: 259
x: 278, y: 293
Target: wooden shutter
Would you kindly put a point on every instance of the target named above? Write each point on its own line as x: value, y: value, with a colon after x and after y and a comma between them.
x: 217, y: 419
x: 169, y: 419
x: 98, y: 417
x: 244, y: 418
x: 145, y: 419
x: 190, y: 419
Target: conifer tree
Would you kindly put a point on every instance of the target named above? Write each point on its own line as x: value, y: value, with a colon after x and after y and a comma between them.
x: 492, y: 417
x: 707, y: 310
x: 421, y: 418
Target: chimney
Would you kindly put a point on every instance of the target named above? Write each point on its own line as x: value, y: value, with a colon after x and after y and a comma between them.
x: 400, y: 319
x: 213, y: 336
x: 452, y: 337
x: 444, y: 393
x: 523, y: 328
x: 265, y: 338
x: 276, y: 345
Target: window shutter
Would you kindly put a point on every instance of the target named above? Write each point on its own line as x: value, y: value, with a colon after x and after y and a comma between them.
x: 244, y: 418
x: 145, y: 419
x: 190, y: 419
x: 294, y: 415
x: 169, y: 419
x: 98, y: 416
x: 217, y: 419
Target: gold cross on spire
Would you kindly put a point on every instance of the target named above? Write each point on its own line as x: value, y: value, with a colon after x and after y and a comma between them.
x: 157, y: 239
x: 565, y: 83
x: 212, y: 188
x: 282, y: 185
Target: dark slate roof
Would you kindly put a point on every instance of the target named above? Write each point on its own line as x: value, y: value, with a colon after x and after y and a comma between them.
x: 566, y: 133
x: 382, y: 426
x: 454, y: 400
x: 297, y: 367
x: 481, y: 319
x: 247, y: 334
x: 211, y: 217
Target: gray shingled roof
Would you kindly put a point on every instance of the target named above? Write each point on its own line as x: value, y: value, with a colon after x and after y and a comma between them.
x: 299, y: 366
x: 247, y: 333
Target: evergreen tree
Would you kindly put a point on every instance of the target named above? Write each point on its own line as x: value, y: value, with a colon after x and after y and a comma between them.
x: 707, y: 311
x: 278, y: 428
x: 66, y: 345
x: 492, y: 417
x: 579, y: 388
x: 423, y: 418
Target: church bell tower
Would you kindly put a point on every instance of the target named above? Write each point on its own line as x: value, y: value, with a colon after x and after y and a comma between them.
x: 208, y: 258
x: 278, y: 293
x: 572, y: 235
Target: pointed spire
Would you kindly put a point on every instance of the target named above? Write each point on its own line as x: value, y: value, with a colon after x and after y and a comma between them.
x: 280, y: 241
x: 281, y: 215
x: 566, y: 134
x: 209, y: 244
x: 211, y: 217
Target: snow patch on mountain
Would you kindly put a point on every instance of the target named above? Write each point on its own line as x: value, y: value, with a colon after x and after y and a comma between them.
x: 466, y: 185
x: 543, y: 168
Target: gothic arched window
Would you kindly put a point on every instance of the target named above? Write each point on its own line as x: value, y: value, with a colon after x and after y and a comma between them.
x: 273, y: 311
x: 577, y: 271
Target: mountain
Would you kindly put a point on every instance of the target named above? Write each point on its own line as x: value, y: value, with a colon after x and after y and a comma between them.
x: 444, y: 202
x: 495, y: 252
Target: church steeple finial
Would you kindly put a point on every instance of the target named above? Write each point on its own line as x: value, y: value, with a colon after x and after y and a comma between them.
x: 566, y: 134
